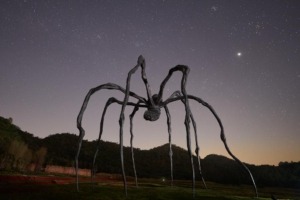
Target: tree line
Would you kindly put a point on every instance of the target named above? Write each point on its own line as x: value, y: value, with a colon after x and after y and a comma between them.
x: 19, y: 149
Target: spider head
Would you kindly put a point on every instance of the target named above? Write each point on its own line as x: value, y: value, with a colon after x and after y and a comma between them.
x: 152, y: 114
x: 155, y: 99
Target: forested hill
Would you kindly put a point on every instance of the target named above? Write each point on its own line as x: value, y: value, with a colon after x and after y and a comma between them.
x: 19, y: 149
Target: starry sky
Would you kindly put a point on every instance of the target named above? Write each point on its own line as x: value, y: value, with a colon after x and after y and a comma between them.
x: 244, y: 59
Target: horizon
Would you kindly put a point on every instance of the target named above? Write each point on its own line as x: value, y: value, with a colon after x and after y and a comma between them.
x: 142, y: 149
x: 243, y: 56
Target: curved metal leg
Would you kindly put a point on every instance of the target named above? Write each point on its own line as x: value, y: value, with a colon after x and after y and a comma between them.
x: 82, y: 133
x: 170, y: 141
x: 108, y: 103
x: 197, y: 150
x: 223, y: 138
x: 177, y: 93
x: 121, y: 123
x: 187, y: 122
x: 136, y: 108
x: 108, y: 86
x: 222, y: 134
x: 141, y: 62
x: 185, y: 70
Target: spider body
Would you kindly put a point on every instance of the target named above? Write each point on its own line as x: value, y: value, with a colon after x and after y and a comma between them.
x: 152, y: 114
x: 153, y: 105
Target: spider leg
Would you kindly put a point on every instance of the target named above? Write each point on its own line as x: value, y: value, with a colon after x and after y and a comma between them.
x: 140, y: 63
x: 185, y: 70
x: 109, y: 86
x: 187, y: 126
x: 136, y: 108
x: 197, y: 149
x: 223, y: 138
x: 108, y: 103
x: 170, y: 141
x: 176, y: 94
x: 222, y: 134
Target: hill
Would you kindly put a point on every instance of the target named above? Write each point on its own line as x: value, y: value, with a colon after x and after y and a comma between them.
x: 19, y: 149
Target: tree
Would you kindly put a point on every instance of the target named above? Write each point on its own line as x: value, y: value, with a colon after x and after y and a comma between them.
x: 19, y: 155
x: 10, y: 120
x: 39, y: 158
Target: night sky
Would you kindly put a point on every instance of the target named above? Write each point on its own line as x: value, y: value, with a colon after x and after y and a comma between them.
x: 244, y: 59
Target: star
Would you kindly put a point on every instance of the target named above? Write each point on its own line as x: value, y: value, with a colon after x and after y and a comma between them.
x: 214, y: 8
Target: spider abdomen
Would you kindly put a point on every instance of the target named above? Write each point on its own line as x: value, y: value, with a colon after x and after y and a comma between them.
x: 152, y: 114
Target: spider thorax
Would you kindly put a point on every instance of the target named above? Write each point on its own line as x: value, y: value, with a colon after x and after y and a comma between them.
x: 152, y: 114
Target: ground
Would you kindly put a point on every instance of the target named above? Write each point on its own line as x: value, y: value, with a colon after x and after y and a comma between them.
x: 64, y: 187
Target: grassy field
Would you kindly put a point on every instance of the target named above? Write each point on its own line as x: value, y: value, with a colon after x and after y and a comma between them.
x: 148, y: 189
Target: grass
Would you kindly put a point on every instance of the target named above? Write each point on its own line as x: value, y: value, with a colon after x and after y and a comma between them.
x: 148, y: 189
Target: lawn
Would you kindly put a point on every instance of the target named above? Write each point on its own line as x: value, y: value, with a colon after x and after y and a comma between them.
x: 148, y: 189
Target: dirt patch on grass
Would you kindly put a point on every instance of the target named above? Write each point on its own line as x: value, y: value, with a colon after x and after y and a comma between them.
x: 43, y: 180
x: 54, y: 179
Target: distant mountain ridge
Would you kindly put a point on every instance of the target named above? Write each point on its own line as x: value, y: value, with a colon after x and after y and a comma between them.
x: 19, y: 149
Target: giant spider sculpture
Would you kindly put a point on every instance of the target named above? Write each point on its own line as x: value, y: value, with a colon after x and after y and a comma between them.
x: 153, y: 104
